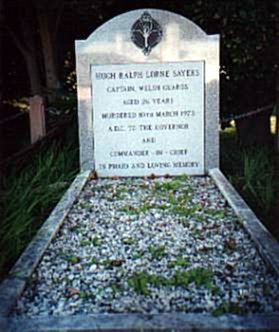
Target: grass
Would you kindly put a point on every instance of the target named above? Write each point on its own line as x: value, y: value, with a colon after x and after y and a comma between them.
x: 253, y: 173
x: 199, y: 276
x: 69, y: 257
x: 95, y: 241
x: 168, y: 186
x: 28, y: 197
x: 228, y: 308
x: 180, y: 261
x: 157, y: 252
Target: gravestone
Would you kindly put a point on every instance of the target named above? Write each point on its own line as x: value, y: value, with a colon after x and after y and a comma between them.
x: 148, y: 96
x: 148, y: 93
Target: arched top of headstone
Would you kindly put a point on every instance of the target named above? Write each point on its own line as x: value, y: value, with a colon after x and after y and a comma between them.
x: 164, y: 17
x: 148, y: 81
x: 144, y: 35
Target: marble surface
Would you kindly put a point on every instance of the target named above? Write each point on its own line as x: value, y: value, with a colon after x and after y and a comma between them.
x: 152, y: 120
x: 111, y: 44
x: 140, y: 322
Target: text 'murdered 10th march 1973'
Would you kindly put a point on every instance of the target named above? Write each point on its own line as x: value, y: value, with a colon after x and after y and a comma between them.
x: 148, y: 118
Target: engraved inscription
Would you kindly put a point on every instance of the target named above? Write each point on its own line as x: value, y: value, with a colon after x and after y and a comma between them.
x: 152, y: 120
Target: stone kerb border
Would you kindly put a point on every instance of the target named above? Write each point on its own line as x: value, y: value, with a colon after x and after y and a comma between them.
x: 13, y: 286
x: 111, y: 44
x: 140, y: 322
x: 264, y: 241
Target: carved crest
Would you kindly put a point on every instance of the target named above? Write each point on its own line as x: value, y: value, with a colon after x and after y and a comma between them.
x: 146, y: 33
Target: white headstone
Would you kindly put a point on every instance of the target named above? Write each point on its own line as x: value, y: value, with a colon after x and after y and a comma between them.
x: 148, y: 89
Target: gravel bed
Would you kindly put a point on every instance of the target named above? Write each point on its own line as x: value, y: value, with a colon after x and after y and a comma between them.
x: 150, y: 246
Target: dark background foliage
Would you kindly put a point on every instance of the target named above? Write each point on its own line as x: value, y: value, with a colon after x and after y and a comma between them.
x: 38, y: 42
x: 247, y: 29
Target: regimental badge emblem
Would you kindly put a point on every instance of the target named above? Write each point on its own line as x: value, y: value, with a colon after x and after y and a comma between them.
x: 146, y: 33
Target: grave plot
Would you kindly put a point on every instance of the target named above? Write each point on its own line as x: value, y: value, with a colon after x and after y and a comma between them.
x: 161, y: 253
x: 146, y: 246
x: 151, y: 246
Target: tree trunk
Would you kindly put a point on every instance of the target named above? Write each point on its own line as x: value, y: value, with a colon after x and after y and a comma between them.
x: 25, y: 41
x: 51, y: 74
x: 33, y: 73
